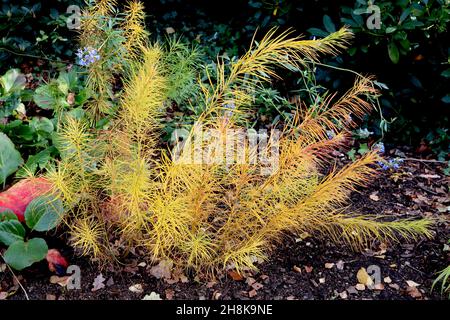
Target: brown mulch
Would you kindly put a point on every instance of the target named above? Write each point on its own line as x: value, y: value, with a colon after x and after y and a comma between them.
x: 304, y: 267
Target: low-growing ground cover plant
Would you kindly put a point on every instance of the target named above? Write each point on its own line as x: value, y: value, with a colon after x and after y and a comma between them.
x: 118, y: 184
x: 27, y: 204
x: 29, y: 119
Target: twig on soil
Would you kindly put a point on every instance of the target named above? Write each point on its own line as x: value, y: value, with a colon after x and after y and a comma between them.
x: 424, y: 160
x: 17, y: 279
x: 428, y: 190
x: 410, y: 266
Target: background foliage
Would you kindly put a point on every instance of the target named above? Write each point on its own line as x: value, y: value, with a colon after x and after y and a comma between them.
x: 409, y: 55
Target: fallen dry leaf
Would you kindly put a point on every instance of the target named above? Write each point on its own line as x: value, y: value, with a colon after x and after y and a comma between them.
x: 98, y: 283
x: 297, y: 269
x: 374, y: 196
x: 363, y: 277
x: 62, y: 281
x: 169, y: 294
x: 413, y: 292
x: 136, y: 288
x: 379, y: 286
x: 252, y: 293
x: 235, y: 275
x: 264, y: 277
x: 411, y: 283
x: 429, y: 176
x: 257, y: 286
x: 383, y: 248
x: 352, y: 290
x: 387, y: 280
x: 216, y: 295
x: 152, y: 296
x: 183, y: 278
x: 110, y: 282
x: 360, y: 287
x: 329, y: 265
x: 394, y: 286
x: 308, y: 269
x: 162, y: 270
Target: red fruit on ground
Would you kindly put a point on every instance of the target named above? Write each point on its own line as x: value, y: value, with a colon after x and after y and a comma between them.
x: 22, y: 193
x: 56, y: 262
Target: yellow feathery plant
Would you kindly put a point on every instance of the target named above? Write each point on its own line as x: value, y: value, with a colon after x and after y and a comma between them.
x: 198, y: 207
x: 117, y: 43
x: 136, y: 37
x: 259, y: 64
x: 128, y: 166
x: 236, y: 211
x: 86, y: 234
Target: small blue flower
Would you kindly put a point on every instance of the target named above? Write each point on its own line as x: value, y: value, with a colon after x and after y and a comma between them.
x: 87, y: 56
x: 393, y: 164
x: 330, y: 134
x: 380, y: 147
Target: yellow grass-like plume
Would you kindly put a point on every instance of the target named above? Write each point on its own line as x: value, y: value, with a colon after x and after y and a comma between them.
x: 136, y: 37
x: 86, y: 235
x: 218, y: 214
x: 276, y: 49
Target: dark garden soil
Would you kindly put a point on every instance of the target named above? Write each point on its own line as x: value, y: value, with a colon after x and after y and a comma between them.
x: 304, y: 267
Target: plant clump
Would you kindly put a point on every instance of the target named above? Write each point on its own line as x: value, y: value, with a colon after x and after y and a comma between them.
x: 119, y: 183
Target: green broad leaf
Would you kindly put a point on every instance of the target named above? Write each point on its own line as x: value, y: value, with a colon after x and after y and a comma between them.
x: 82, y: 97
x: 42, y: 125
x: 390, y: 29
x: 363, y: 149
x: 67, y: 81
x: 352, y: 51
x: 44, y: 213
x: 10, y: 158
x: 394, y: 54
x: 446, y: 73
x: 46, y: 97
x: 317, y: 32
x: 38, y: 161
x: 7, y: 215
x: 404, y: 15
x: 11, y: 231
x: 12, y: 81
x: 360, y: 11
x: 76, y: 113
x: 21, y: 255
x: 352, y: 154
x: 328, y: 23
x: 381, y: 85
x: 446, y: 99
